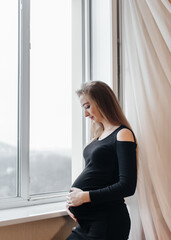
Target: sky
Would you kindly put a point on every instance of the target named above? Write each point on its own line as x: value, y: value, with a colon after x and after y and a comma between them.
x: 50, y: 74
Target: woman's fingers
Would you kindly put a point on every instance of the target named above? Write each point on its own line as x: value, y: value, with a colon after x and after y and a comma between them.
x: 75, y: 197
x: 73, y: 188
x: 69, y: 204
x: 71, y: 215
x: 69, y: 201
x: 76, y: 189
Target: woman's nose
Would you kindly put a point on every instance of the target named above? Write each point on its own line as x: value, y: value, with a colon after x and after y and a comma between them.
x: 86, y: 113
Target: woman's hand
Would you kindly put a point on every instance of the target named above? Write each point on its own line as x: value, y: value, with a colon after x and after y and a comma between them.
x: 77, y: 197
x: 70, y: 214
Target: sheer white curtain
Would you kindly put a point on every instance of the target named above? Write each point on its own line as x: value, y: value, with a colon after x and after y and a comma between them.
x: 147, y: 104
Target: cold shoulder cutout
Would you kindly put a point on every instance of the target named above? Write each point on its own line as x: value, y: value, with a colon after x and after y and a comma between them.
x: 125, y: 135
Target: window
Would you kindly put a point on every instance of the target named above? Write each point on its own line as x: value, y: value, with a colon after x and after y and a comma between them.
x: 8, y: 97
x: 36, y: 128
x: 100, y: 45
x: 41, y: 127
x: 50, y: 96
x: 101, y: 40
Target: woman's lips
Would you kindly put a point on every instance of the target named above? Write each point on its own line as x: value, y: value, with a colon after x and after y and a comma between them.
x: 92, y: 117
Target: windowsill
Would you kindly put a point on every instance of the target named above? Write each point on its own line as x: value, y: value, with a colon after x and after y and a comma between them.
x: 32, y: 213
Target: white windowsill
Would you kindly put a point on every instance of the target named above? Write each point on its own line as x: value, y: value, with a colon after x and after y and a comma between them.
x: 32, y: 213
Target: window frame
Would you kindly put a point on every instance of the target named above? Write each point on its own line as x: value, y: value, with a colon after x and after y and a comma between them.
x: 115, y: 57
x: 23, y: 177
x: 86, y: 41
x: 81, y: 72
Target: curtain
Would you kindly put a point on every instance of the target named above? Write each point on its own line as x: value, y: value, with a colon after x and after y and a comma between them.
x: 147, y: 105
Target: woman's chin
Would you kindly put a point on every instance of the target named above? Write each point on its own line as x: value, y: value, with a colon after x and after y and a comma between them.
x: 93, y: 119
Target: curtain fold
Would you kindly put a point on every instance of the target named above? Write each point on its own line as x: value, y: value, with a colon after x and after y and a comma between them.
x: 147, y: 99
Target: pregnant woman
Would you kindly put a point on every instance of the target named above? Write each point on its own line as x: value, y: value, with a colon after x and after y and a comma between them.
x: 96, y: 199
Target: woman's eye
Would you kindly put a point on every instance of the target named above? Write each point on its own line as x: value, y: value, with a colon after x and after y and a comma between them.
x: 87, y: 107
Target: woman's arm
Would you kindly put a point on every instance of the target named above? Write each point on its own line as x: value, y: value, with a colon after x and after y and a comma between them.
x: 126, y: 154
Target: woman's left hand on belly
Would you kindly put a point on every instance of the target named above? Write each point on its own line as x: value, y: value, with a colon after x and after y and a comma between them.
x: 77, y: 197
x: 71, y: 215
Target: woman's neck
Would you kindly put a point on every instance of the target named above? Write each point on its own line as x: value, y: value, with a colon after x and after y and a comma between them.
x: 108, y: 126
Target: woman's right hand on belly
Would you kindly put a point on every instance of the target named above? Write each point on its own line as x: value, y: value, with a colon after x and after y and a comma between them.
x: 70, y: 214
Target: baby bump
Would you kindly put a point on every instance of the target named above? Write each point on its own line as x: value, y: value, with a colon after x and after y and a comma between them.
x: 115, y: 225
x: 81, y: 212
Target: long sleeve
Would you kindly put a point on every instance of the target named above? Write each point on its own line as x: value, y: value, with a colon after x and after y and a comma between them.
x: 126, y: 185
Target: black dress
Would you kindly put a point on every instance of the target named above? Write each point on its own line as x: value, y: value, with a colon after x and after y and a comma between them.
x: 110, y: 175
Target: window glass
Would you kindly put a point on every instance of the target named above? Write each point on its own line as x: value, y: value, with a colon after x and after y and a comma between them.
x: 8, y: 97
x: 50, y: 96
x: 101, y: 41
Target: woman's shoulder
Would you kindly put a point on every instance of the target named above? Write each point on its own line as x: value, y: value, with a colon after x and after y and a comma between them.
x: 125, y: 134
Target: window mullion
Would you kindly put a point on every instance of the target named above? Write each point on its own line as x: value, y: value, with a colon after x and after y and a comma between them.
x: 24, y: 85
x: 77, y: 74
x: 86, y: 36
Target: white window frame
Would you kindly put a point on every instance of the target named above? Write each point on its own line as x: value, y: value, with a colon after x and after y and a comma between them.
x: 80, y: 72
x: 115, y: 59
x: 115, y: 16
x: 86, y: 57
x: 23, y: 198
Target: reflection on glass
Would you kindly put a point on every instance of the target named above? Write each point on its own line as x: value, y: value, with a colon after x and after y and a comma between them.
x: 50, y: 96
x: 8, y: 96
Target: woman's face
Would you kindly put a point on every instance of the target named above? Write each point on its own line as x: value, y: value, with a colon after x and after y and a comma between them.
x: 90, y: 109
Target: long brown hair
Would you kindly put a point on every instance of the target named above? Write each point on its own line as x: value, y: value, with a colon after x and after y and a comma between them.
x: 107, y: 104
